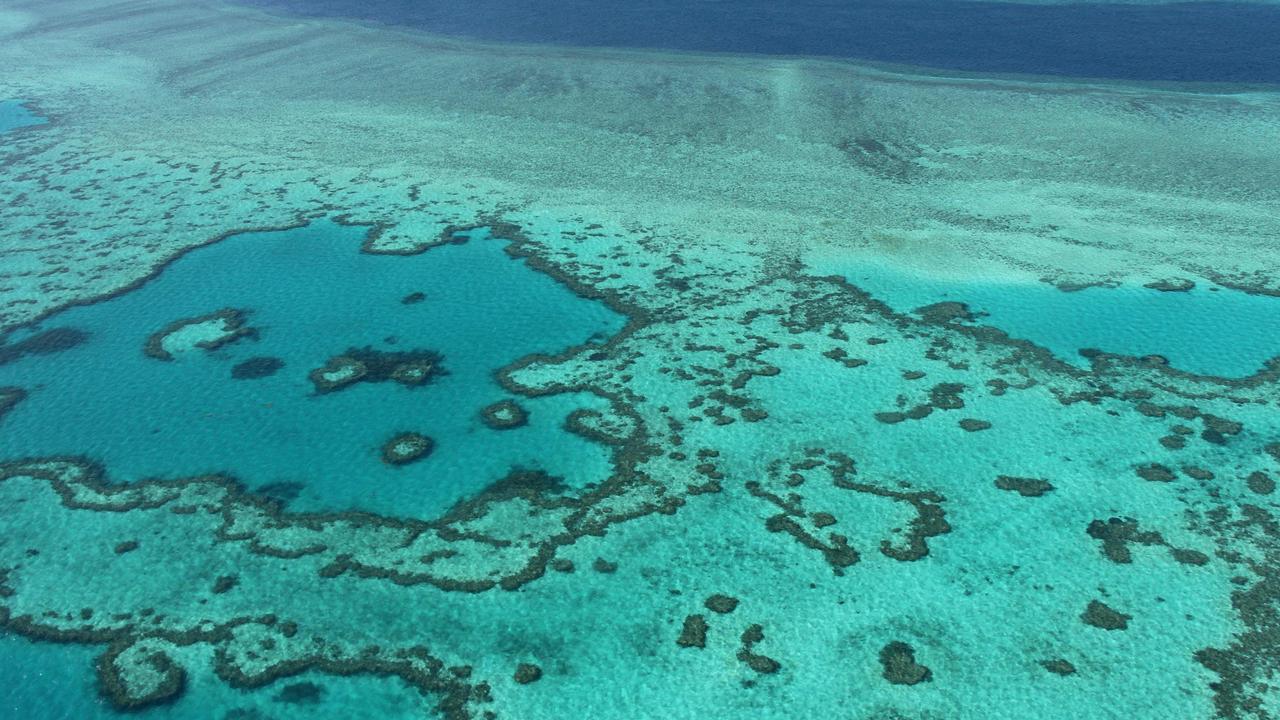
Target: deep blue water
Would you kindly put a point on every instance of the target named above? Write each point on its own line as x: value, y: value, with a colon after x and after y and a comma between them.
x: 1181, y: 42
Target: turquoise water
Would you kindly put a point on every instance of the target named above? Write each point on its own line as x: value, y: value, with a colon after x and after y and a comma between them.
x: 1207, y: 330
x: 761, y: 494
x: 14, y: 114
x: 55, y: 682
x: 311, y: 295
x: 56, y: 677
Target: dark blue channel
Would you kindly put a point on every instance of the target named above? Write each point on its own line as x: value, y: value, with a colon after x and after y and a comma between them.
x: 1179, y: 42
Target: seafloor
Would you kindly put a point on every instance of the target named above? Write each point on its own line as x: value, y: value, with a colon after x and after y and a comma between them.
x: 356, y: 372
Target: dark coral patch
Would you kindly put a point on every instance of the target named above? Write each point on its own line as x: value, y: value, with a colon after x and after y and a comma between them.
x: 1155, y: 473
x: 410, y: 368
x: 525, y: 483
x: 283, y: 491
x: 1258, y: 482
x: 9, y: 399
x: 1026, y: 487
x: 841, y: 356
x: 1101, y: 615
x: 943, y: 396
x: 945, y: 312
x: 947, y: 396
x: 1116, y: 534
x: 899, y: 666
x: 300, y: 693
x: 1058, y: 667
x: 406, y: 447
x: 1247, y: 665
x: 722, y: 604
x: 1171, y: 285
x: 762, y: 664
x: 1189, y: 557
x: 838, y: 553
x: 527, y: 673
x: 48, y: 342
x: 1197, y: 473
x: 256, y: 367
x: 693, y: 633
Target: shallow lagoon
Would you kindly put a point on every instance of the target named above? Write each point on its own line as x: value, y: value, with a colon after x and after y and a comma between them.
x: 310, y: 294
x: 15, y: 114
x: 1207, y: 330
x: 56, y: 682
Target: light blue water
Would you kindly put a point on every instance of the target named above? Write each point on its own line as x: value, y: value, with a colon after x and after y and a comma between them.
x: 13, y: 115
x: 58, y: 679
x: 312, y: 295
x: 1209, y: 330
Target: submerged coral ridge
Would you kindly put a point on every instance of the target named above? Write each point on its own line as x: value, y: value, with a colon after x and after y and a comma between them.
x: 668, y: 378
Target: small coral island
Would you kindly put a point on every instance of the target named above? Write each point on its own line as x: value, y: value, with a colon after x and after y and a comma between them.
x: 203, y: 332
x: 406, y: 447
x: 504, y: 415
x: 410, y: 368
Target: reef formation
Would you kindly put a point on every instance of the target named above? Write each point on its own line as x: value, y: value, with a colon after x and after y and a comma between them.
x: 813, y: 501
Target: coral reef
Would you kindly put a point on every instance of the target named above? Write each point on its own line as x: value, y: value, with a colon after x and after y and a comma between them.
x: 409, y: 368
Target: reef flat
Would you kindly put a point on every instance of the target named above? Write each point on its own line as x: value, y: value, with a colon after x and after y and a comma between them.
x: 746, y: 486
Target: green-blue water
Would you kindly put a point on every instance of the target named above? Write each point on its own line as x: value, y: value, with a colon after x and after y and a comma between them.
x: 14, y: 114
x: 311, y: 295
x: 1208, y: 329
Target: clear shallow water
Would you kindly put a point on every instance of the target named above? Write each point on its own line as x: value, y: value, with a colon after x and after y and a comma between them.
x: 14, y: 114
x: 56, y: 682
x: 49, y: 681
x: 312, y: 295
x: 1187, y: 42
x: 1208, y: 330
